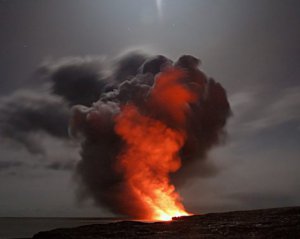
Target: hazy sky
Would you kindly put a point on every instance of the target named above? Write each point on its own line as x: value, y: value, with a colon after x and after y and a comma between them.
x: 250, y: 46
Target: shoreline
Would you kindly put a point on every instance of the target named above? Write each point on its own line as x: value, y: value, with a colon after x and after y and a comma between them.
x: 260, y: 223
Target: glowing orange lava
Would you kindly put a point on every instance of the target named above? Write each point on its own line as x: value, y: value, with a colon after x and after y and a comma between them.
x: 152, y: 148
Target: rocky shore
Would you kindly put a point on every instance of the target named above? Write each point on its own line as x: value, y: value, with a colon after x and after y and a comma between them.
x: 265, y: 223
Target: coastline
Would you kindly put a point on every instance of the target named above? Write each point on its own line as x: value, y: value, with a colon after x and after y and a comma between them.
x: 262, y: 223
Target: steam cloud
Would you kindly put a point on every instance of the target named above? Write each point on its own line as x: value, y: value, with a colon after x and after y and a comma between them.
x: 133, y: 81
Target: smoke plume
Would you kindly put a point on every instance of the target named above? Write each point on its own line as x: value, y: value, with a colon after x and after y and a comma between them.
x: 152, y: 120
x: 77, y: 80
x: 25, y: 113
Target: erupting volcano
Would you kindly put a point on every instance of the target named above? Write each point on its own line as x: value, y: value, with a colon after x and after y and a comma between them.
x: 154, y: 118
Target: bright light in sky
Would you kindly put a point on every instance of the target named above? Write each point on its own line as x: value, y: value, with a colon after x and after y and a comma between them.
x: 159, y: 8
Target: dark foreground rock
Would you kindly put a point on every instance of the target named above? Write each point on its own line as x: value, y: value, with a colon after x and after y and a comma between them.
x: 267, y: 223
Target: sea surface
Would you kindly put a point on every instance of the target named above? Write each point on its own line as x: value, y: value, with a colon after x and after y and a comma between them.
x: 26, y: 227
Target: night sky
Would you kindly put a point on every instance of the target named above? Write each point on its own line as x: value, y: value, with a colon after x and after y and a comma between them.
x: 251, y: 47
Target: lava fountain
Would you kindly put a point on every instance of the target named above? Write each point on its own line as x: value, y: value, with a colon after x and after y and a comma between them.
x: 152, y: 147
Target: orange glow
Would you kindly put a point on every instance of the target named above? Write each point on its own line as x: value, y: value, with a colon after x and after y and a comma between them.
x: 172, y: 96
x: 151, y: 151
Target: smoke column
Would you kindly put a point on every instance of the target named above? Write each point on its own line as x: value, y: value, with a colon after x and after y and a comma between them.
x: 139, y: 137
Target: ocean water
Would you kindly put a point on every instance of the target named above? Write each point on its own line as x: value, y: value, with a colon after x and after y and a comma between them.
x: 11, y: 227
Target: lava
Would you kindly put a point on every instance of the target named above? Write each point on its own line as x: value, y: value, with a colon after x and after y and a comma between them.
x: 152, y: 145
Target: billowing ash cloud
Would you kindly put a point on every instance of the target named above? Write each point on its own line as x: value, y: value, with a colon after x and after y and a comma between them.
x: 25, y: 113
x: 88, y: 94
x: 77, y: 80
x: 134, y: 81
x: 127, y: 65
x: 28, y: 112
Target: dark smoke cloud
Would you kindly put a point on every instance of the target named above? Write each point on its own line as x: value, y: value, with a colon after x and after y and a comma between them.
x: 26, y: 113
x: 127, y: 65
x: 209, y: 116
x: 97, y: 89
x: 100, y: 147
x: 77, y: 80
